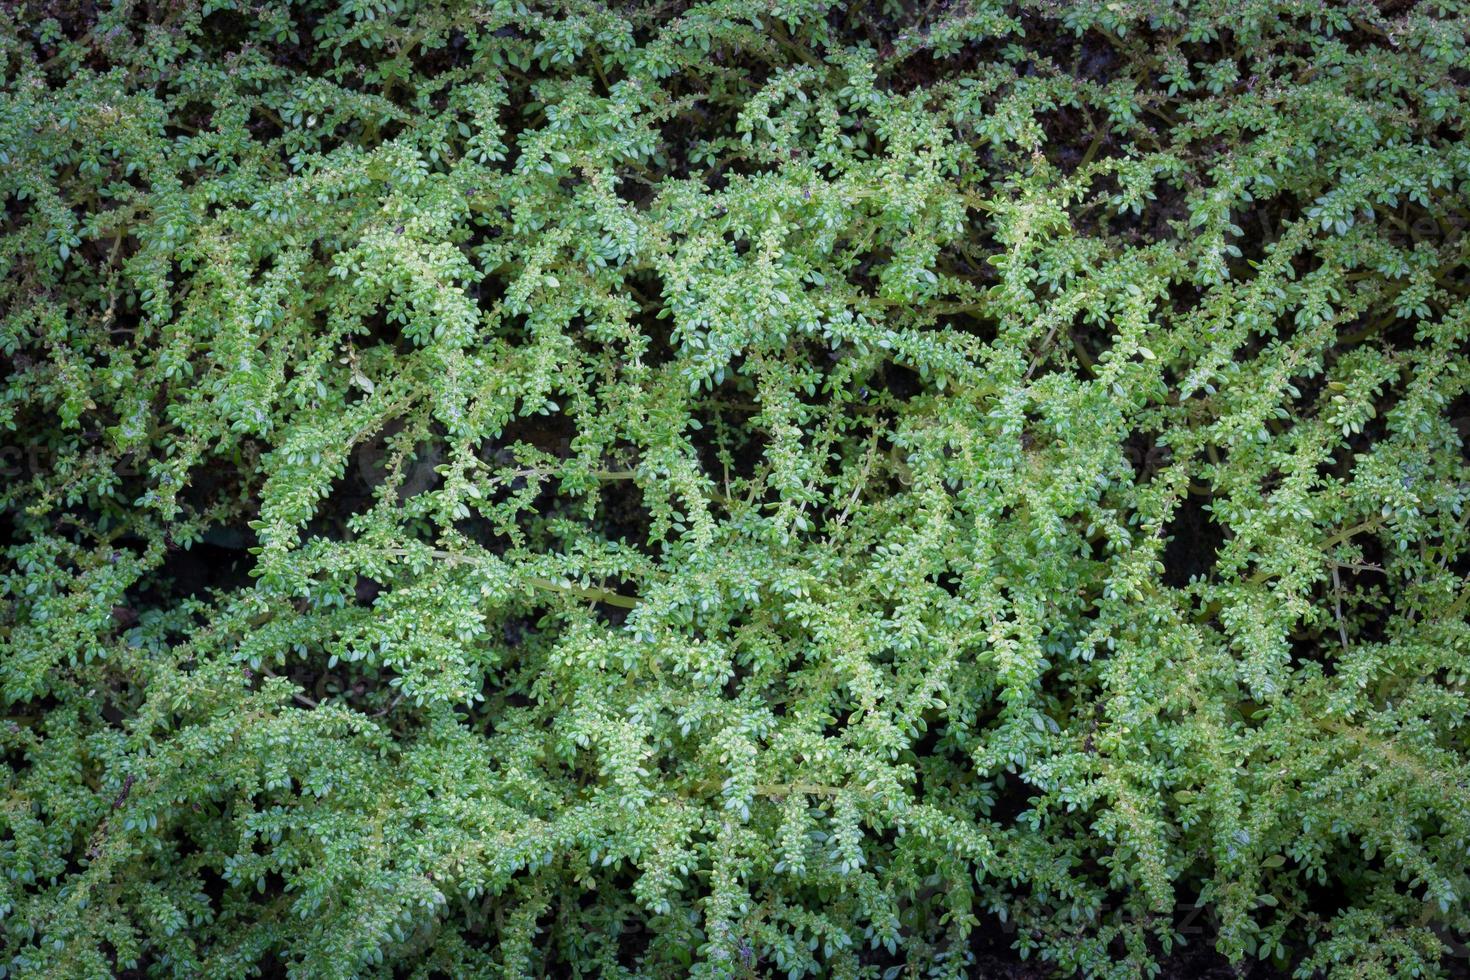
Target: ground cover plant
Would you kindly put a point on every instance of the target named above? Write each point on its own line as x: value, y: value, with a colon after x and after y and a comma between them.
x: 728, y: 489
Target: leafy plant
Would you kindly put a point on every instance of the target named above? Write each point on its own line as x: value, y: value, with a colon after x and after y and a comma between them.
x: 733, y: 488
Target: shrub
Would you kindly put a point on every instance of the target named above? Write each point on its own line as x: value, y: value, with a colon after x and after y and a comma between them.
x: 733, y: 488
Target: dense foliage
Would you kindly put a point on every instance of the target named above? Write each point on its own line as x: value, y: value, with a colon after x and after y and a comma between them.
x: 508, y: 487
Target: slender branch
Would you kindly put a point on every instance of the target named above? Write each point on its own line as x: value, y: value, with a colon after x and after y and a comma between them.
x: 604, y: 596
